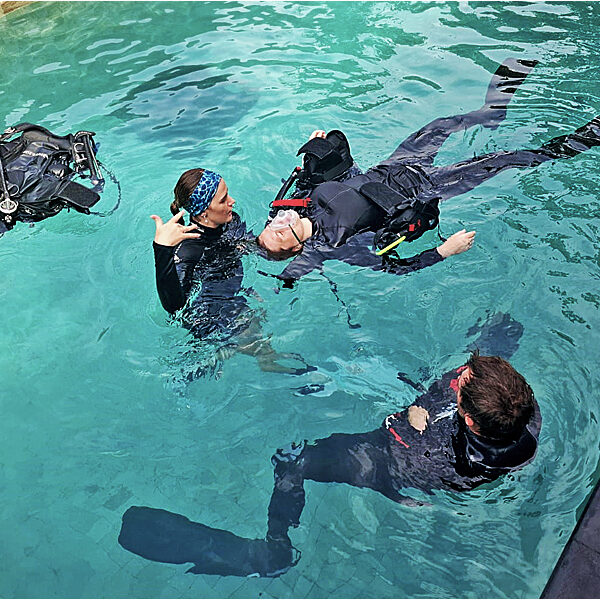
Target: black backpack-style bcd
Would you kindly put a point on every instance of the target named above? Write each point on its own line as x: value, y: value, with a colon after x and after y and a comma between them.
x: 407, y: 216
x: 37, y: 170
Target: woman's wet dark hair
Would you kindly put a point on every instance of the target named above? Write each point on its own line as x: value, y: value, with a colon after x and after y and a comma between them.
x: 184, y: 187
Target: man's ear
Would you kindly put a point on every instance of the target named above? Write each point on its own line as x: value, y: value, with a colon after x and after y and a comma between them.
x: 469, y: 420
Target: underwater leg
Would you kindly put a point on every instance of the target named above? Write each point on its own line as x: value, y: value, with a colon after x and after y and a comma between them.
x: 422, y: 146
x: 163, y: 536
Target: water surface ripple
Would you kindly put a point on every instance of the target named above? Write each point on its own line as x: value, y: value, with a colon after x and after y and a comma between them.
x: 97, y: 415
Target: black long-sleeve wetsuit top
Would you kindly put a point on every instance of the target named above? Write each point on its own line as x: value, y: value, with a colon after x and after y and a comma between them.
x: 214, y: 261
x: 447, y: 454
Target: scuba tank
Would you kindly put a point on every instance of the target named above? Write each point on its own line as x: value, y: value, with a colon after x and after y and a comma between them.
x: 37, y: 170
x: 325, y: 159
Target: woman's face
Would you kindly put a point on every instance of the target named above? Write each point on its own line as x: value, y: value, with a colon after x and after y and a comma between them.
x: 220, y: 209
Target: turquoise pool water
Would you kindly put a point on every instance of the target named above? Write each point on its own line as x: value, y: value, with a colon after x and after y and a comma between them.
x: 95, y: 415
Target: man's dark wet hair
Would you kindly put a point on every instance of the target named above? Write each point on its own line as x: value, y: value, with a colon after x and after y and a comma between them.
x: 184, y: 187
x: 497, y: 397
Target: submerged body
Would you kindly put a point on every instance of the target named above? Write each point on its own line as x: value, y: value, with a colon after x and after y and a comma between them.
x: 440, y: 453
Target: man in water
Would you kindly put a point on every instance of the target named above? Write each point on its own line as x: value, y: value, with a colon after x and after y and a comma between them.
x: 468, y: 428
x: 339, y: 219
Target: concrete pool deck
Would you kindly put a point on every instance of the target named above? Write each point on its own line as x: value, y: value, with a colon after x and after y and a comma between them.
x: 577, y: 572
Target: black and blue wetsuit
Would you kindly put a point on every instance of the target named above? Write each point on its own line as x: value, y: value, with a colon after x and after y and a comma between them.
x: 212, y: 265
x: 389, y: 459
x: 344, y: 220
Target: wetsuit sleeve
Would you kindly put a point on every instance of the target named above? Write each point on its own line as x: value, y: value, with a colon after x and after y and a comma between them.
x: 414, y: 263
x: 309, y: 259
x: 357, y: 251
x: 170, y: 290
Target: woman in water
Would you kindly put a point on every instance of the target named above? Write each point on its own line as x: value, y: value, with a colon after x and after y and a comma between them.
x: 206, y: 255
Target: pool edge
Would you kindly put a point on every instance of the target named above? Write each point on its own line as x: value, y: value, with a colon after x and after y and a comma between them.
x: 577, y: 571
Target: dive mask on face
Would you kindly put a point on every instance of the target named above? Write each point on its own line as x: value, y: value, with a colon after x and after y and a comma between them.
x: 283, y: 219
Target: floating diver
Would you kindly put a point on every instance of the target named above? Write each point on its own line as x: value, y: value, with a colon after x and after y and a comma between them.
x: 475, y: 424
x: 37, y: 170
x: 338, y: 213
x: 199, y: 270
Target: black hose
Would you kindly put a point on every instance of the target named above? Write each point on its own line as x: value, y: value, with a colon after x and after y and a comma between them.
x: 113, y: 178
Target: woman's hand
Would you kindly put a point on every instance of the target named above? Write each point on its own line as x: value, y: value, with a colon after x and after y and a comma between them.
x: 317, y: 133
x: 172, y: 233
x: 459, y: 242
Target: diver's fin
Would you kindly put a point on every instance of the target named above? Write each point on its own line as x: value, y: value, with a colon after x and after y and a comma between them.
x: 505, y: 81
x: 167, y: 537
x: 498, y: 336
x: 582, y: 139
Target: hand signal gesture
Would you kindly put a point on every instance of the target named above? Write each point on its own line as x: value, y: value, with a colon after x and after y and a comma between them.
x: 172, y: 233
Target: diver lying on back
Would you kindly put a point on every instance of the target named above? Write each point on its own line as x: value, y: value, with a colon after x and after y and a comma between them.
x: 199, y: 269
x: 340, y: 217
x: 36, y: 173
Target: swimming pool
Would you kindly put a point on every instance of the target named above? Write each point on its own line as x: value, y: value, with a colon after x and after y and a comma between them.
x: 96, y: 413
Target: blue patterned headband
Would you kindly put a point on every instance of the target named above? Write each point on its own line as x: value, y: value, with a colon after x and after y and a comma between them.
x: 203, y: 193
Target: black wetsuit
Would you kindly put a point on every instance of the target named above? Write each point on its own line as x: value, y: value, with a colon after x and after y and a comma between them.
x: 389, y: 459
x: 214, y: 260
x: 344, y: 221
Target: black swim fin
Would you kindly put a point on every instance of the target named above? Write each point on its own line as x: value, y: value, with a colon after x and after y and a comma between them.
x: 498, y: 336
x: 505, y: 81
x: 582, y: 139
x: 167, y: 537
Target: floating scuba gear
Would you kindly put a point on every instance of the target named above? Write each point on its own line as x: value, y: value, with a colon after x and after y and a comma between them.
x: 325, y: 158
x: 36, y: 173
x: 287, y: 184
x: 389, y: 247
